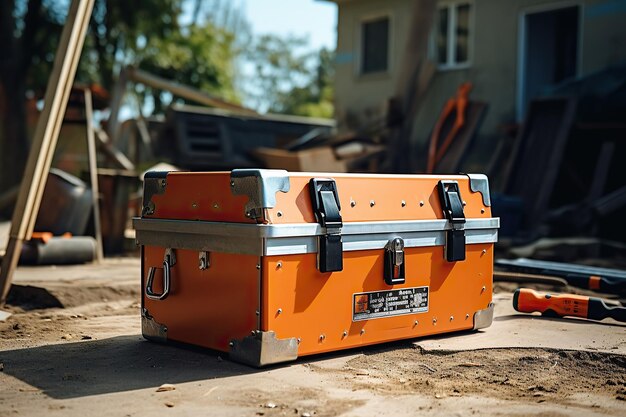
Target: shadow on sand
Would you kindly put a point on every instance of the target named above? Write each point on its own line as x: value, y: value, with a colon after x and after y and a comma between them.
x: 122, y: 363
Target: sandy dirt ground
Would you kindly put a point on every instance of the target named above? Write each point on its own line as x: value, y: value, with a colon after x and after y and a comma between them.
x: 73, y: 347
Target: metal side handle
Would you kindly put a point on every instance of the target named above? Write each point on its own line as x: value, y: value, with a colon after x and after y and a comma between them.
x: 168, y: 261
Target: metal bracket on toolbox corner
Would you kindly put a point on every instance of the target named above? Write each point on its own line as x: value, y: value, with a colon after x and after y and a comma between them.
x: 150, y: 329
x: 263, y: 348
x: 479, y: 183
x: 261, y: 186
x: 452, y: 205
x: 154, y: 183
x: 327, y: 209
x: 483, y: 318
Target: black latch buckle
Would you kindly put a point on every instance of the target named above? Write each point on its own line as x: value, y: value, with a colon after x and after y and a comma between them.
x: 394, y: 262
x: 326, y: 206
x: 452, y: 205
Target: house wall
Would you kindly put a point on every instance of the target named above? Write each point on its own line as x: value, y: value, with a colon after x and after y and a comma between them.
x: 494, y: 57
x: 363, y: 96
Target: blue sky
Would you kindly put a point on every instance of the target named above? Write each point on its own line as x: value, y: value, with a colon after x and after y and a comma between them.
x: 315, y: 19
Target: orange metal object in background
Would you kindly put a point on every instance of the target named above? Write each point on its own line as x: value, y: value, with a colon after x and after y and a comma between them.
x: 455, y: 107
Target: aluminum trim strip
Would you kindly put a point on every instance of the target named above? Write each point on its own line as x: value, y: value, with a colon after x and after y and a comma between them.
x: 247, y: 230
x: 268, y: 240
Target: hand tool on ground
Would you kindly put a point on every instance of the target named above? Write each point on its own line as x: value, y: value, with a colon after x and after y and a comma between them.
x: 610, y: 281
x: 560, y: 305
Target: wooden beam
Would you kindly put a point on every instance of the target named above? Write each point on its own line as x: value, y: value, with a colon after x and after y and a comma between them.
x: 93, y: 174
x: 45, y: 138
x: 414, y: 78
x: 183, y: 91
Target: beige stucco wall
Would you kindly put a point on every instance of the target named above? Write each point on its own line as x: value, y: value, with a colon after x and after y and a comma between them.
x: 358, y: 94
x: 494, y: 62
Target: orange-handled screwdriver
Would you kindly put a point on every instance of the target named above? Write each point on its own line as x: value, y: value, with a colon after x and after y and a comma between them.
x: 528, y: 301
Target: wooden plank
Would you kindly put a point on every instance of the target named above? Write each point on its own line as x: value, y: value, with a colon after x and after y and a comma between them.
x: 93, y: 174
x: 413, y: 80
x: 536, y: 159
x: 112, y: 152
x: 45, y: 137
x: 186, y: 92
x: 450, y: 162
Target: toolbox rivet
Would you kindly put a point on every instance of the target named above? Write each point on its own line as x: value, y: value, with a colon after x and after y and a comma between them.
x: 403, y: 203
x: 216, y: 206
x: 362, y: 332
x: 451, y: 318
x: 421, y: 203
x: 279, y: 265
x: 194, y: 205
x: 466, y: 316
x: 248, y: 214
x: 434, y: 321
x: 482, y: 290
x: 345, y: 333
x: 258, y: 266
x: 232, y: 183
x: 352, y: 203
x: 279, y: 214
x: 322, y: 337
x: 464, y: 203
x: 258, y: 313
x: 280, y: 310
x: 482, y: 211
x: 415, y: 323
x: 372, y: 203
x: 231, y: 344
x: 299, y: 340
x: 484, y: 251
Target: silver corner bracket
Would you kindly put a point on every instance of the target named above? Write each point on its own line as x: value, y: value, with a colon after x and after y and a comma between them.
x: 483, y: 318
x: 154, y: 183
x: 263, y: 348
x: 479, y: 183
x: 261, y: 186
x: 150, y: 329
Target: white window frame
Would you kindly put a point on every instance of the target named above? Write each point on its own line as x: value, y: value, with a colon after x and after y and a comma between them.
x: 451, y: 6
x: 360, y: 39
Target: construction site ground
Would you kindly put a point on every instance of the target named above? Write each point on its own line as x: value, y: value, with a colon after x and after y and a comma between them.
x: 73, y: 347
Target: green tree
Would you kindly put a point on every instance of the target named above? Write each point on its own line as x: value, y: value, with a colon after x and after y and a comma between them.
x: 146, y: 33
x: 288, y: 78
x: 201, y: 56
x: 30, y: 31
x: 315, y: 99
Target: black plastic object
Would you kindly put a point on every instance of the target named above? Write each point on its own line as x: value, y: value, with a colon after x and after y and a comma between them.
x: 394, y: 262
x: 59, y: 251
x: 327, y: 209
x: 604, y: 280
x: 452, y: 206
x: 65, y: 206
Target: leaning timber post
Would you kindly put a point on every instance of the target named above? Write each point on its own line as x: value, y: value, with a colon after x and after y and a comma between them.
x: 45, y: 138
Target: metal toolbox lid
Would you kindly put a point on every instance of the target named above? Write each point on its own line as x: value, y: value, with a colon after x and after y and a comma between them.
x: 288, y: 239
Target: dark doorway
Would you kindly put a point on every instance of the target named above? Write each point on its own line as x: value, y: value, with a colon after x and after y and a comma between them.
x: 549, y: 51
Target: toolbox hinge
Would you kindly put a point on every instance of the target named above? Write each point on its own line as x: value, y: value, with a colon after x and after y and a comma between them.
x: 327, y: 209
x: 452, y: 205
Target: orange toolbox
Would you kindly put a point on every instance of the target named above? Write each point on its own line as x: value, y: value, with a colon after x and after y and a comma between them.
x: 269, y: 265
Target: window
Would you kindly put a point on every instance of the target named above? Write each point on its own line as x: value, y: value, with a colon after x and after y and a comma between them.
x: 452, y: 35
x: 375, y: 46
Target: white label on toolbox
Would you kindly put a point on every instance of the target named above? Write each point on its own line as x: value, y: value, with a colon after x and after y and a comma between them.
x: 377, y: 304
